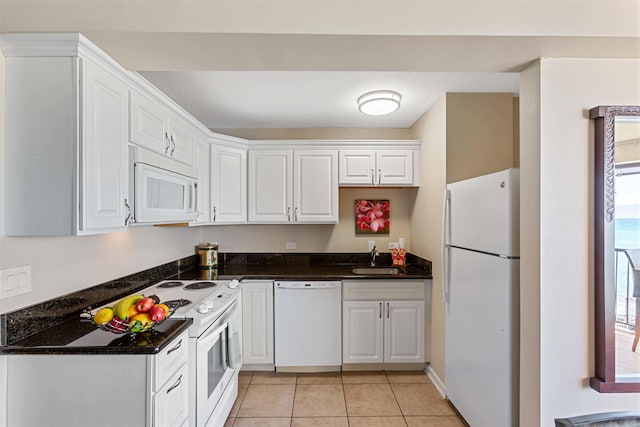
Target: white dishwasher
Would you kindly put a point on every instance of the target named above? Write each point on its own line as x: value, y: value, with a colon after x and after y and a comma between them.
x: 308, y: 325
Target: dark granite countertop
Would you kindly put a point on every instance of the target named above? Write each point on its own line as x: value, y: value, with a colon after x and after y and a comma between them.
x: 306, y: 267
x: 81, y: 336
x: 55, y: 326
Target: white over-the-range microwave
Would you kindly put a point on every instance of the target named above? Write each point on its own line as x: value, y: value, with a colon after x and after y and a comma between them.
x: 163, y: 190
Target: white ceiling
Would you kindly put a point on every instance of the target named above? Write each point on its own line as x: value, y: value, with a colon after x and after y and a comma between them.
x: 312, y: 99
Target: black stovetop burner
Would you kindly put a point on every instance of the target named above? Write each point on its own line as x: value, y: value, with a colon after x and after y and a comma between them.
x: 200, y: 285
x: 175, y: 304
x: 170, y: 284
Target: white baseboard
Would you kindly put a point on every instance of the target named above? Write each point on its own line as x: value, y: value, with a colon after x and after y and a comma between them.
x: 437, y: 382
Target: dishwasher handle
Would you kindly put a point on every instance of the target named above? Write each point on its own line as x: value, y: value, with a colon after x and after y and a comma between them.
x: 308, y: 285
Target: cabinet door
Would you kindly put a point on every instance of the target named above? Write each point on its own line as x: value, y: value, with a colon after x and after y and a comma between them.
x: 103, y: 185
x: 171, y: 402
x: 228, y: 185
x: 149, y: 124
x: 270, y: 180
x: 181, y: 138
x: 357, y: 167
x: 394, y: 167
x: 202, y: 163
x: 257, y: 322
x: 315, y: 197
x: 404, y: 332
x: 362, y: 332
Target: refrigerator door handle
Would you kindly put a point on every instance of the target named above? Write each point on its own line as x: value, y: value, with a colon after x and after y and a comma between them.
x: 445, y: 252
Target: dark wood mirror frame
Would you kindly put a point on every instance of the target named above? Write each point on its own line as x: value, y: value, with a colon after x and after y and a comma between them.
x: 604, y: 380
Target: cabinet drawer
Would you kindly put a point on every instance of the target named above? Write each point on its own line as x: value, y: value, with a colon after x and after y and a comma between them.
x: 370, y: 290
x: 171, y: 402
x: 170, y: 359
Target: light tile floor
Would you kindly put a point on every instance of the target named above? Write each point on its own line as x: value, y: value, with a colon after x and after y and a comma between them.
x: 347, y: 399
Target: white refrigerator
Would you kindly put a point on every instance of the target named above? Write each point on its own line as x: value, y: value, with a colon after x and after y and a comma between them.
x: 481, y: 292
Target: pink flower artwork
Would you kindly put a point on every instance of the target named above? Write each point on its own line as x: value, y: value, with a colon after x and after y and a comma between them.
x: 372, y: 216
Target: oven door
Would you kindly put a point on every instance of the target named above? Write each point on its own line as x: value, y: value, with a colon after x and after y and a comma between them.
x: 213, y: 372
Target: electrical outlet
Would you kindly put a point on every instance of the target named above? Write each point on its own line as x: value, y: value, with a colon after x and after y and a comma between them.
x: 290, y: 245
x: 393, y: 245
x: 15, y: 281
x: 372, y: 244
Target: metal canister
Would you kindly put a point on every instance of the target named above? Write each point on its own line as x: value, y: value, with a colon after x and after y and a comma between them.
x: 208, y: 253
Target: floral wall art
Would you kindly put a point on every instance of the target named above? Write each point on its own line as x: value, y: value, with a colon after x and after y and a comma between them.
x: 372, y: 216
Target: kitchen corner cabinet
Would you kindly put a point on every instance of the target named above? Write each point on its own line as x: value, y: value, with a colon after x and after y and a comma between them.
x: 378, y: 167
x: 154, y: 127
x: 202, y: 150
x: 257, y: 322
x: 228, y: 185
x: 383, y: 321
x: 100, y: 390
x: 293, y: 186
x: 66, y: 147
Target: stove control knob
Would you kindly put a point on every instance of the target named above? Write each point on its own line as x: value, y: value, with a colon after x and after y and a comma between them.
x: 202, y: 308
x: 209, y: 304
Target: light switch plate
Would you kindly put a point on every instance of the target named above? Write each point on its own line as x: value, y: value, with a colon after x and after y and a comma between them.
x: 15, y: 281
x: 372, y: 244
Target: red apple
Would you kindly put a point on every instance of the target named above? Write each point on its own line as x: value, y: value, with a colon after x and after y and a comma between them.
x: 145, y: 305
x: 158, y: 313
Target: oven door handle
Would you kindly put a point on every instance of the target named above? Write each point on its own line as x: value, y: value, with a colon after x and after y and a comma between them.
x: 202, y: 341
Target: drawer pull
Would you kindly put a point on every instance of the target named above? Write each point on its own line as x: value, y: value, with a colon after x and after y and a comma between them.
x: 175, y: 348
x: 170, y: 389
x: 380, y: 312
x: 388, y: 310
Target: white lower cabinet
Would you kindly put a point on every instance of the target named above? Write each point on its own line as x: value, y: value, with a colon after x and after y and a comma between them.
x: 257, y: 322
x: 99, y: 390
x: 383, y: 322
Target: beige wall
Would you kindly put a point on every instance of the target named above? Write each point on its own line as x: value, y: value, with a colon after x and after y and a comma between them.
x: 321, y: 237
x: 556, y: 237
x: 479, y: 134
x: 426, y: 218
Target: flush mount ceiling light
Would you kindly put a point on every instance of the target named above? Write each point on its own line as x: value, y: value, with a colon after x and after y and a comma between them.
x: 379, y: 102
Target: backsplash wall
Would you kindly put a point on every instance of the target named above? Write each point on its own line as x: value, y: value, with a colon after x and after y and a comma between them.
x: 339, y: 237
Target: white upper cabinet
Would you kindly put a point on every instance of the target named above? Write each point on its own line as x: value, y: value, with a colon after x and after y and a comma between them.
x: 228, y: 185
x: 154, y: 127
x: 270, y: 181
x: 397, y: 167
x: 202, y: 150
x: 298, y: 186
x: 66, y: 140
x: 104, y: 153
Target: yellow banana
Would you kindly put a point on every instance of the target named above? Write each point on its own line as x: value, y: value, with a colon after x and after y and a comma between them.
x: 121, y: 308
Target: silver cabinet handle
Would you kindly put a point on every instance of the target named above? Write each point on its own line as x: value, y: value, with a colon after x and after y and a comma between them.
x: 166, y: 137
x: 289, y: 213
x: 380, y: 312
x: 126, y: 205
x: 175, y: 348
x: 388, y: 310
x: 170, y: 389
x: 379, y: 176
x: 295, y: 214
x: 373, y: 177
x: 174, y: 145
x: 214, y: 214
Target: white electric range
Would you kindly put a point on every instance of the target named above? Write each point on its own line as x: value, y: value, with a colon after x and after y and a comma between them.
x: 201, y: 300
x: 215, y: 343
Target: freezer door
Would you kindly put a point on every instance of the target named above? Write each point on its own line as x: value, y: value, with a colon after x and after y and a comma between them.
x: 481, y: 347
x: 484, y: 213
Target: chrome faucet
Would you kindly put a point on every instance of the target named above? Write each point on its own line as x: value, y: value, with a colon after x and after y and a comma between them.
x: 374, y: 254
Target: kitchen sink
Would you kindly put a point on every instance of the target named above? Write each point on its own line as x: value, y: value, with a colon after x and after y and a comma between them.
x: 376, y: 270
